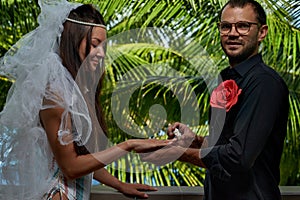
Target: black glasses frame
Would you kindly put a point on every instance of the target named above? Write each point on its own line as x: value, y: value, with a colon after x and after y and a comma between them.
x: 236, y: 26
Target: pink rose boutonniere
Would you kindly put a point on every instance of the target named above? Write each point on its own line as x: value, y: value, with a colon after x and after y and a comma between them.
x: 225, y: 95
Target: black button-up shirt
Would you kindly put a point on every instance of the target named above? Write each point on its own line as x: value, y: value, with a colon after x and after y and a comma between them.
x: 246, y: 142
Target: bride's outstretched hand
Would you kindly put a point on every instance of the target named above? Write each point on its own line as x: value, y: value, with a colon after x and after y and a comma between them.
x: 147, y: 145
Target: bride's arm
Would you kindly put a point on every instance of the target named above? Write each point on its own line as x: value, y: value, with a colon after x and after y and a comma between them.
x: 73, y: 165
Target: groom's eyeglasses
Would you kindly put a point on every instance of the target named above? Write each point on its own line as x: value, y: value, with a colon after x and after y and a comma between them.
x: 241, y: 27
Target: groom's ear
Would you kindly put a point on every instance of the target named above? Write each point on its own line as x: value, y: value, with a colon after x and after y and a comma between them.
x: 263, y: 31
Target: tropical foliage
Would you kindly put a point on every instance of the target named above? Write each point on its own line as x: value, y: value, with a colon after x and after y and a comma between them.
x: 152, y: 73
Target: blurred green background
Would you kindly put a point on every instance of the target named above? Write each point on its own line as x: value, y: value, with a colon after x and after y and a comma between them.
x: 189, y: 20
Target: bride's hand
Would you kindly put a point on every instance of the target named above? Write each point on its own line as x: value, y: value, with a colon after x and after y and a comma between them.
x: 147, y: 145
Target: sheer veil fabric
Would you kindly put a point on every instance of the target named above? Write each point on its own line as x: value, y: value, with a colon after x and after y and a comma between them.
x: 34, y: 65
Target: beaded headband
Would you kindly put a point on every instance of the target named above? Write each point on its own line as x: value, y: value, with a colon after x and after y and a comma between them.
x: 86, y: 23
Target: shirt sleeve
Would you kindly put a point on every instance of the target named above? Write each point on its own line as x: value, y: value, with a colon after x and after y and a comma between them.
x: 259, y: 111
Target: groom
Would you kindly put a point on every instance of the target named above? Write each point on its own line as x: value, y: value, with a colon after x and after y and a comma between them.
x: 249, y: 112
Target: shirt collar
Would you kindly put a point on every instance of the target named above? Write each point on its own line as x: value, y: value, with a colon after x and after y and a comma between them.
x: 243, y: 67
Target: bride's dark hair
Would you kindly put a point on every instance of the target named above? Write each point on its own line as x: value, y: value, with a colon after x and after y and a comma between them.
x: 71, y: 38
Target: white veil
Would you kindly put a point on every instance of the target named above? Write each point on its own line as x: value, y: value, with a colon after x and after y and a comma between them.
x: 35, y: 67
